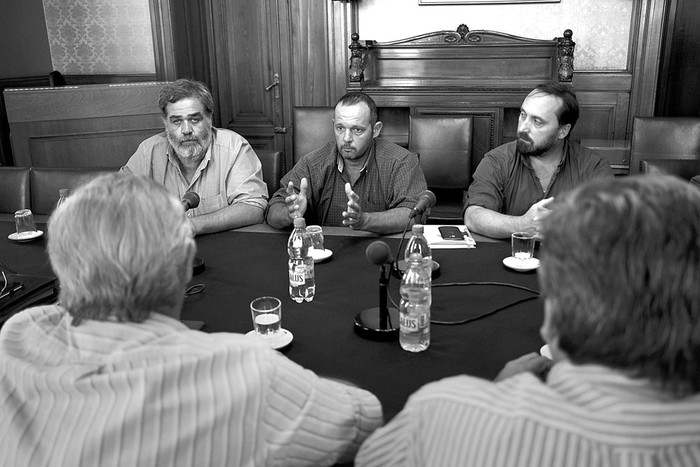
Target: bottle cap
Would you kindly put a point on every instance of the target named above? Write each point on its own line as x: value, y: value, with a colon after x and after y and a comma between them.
x: 299, y: 222
x: 417, y: 229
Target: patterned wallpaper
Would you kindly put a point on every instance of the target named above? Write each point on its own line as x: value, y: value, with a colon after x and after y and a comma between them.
x: 100, y: 36
x: 601, y: 27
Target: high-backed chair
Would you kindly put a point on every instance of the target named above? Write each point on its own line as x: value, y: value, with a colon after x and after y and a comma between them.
x: 313, y: 127
x: 45, y: 183
x: 683, y: 168
x: 656, y: 138
x: 272, y: 168
x: 444, y: 145
x: 14, y: 189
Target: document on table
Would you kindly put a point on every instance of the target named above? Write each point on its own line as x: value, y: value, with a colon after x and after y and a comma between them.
x: 435, y: 240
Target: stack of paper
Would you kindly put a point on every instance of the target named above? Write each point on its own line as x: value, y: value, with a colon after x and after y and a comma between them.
x: 435, y: 240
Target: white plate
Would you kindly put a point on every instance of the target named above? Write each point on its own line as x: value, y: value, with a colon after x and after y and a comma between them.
x: 25, y: 236
x: 545, y: 352
x: 283, y: 340
x: 321, y: 255
x: 521, y: 265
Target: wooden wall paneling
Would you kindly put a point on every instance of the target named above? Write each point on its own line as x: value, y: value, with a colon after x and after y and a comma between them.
x: 646, y: 37
x: 81, y: 126
x: 163, y: 43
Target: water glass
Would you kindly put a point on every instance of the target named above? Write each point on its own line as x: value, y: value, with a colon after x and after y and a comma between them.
x: 316, y: 233
x: 24, y: 223
x: 267, y: 316
x: 523, y: 245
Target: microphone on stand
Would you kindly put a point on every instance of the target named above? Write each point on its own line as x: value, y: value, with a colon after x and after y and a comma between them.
x: 190, y: 201
x: 382, y: 322
x: 425, y: 200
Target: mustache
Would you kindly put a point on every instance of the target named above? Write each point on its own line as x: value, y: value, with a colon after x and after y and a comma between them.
x: 524, y: 137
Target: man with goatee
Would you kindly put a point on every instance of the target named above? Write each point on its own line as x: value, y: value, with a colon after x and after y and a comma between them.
x: 515, y: 182
x: 191, y: 155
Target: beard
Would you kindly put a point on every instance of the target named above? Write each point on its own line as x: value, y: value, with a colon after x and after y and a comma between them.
x: 527, y: 147
x: 191, y: 147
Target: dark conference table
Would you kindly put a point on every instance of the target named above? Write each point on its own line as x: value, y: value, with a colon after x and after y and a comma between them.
x: 244, y: 264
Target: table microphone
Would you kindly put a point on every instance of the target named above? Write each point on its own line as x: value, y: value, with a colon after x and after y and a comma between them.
x: 425, y: 200
x: 190, y: 201
x: 379, y: 323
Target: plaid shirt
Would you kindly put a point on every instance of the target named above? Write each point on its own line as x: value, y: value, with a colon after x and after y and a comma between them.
x: 391, y: 178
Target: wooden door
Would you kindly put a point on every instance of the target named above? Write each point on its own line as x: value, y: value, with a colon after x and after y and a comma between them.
x: 251, y: 81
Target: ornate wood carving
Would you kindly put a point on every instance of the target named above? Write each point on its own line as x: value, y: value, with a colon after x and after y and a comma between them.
x: 503, y: 56
x: 565, y: 56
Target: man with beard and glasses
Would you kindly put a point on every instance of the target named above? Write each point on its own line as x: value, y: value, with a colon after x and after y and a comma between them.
x: 359, y: 180
x: 191, y: 155
x: 514, y: 183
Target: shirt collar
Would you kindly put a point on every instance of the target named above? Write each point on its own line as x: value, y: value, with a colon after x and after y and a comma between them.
x: 596, y: 386
x: 341, y: 162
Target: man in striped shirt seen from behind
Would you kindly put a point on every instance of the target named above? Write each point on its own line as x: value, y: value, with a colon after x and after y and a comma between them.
x: 620, y: 276
x: 111, y: 377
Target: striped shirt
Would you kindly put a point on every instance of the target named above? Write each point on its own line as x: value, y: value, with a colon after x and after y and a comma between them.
x: 391, y: 178
x: 158, y: 394
x: 229, y: 173
x: 583, y: 416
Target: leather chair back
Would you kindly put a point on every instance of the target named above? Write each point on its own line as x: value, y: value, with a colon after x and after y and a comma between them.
x: 312, y: 127
x: 14, y: 189
x: 683, y: 168
x: 272, y: 168
x: 45, y: 183
x: 656, y: 138
x: 444, y: 145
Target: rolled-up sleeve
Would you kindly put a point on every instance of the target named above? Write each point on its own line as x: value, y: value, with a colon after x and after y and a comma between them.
x: 244, y: 182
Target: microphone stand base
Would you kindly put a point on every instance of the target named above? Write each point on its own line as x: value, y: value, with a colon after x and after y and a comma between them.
x: 367, y: 325
x: 197, y: 265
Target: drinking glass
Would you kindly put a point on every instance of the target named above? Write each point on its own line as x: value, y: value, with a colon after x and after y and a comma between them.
x: 267, y: 316
x: 523, y: 245
x: 316, y: 233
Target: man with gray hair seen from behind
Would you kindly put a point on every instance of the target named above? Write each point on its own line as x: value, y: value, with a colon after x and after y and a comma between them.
x: 112, y: 377
x: 191, y: 155
x: 620, y: 278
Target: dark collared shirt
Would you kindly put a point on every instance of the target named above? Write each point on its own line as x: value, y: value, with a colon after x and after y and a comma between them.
x: 391, y: 178
x: 505, y: 181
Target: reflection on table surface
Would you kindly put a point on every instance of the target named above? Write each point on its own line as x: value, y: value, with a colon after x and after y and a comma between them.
x: 248, y: 263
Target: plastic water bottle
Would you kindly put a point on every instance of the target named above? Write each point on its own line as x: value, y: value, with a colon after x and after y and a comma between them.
x: 414, y: 311
x: 418, y: 244
x: 301, y: 263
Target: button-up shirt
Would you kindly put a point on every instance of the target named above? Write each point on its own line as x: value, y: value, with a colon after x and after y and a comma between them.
x: 505, y: 182
x: 583, y: 416
x: 391, y: 178
x: 109, y: 393
x: 230, y: 171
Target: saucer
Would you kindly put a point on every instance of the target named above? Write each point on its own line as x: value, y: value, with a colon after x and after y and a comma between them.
x: 25, y: 236
x: 283, y: 340
x: 521, y: 265
x: 545, y: 352
x: 321, y: 255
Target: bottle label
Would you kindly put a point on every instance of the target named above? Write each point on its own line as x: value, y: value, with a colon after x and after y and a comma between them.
x: 297, y: 276
x: 413, y: 323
